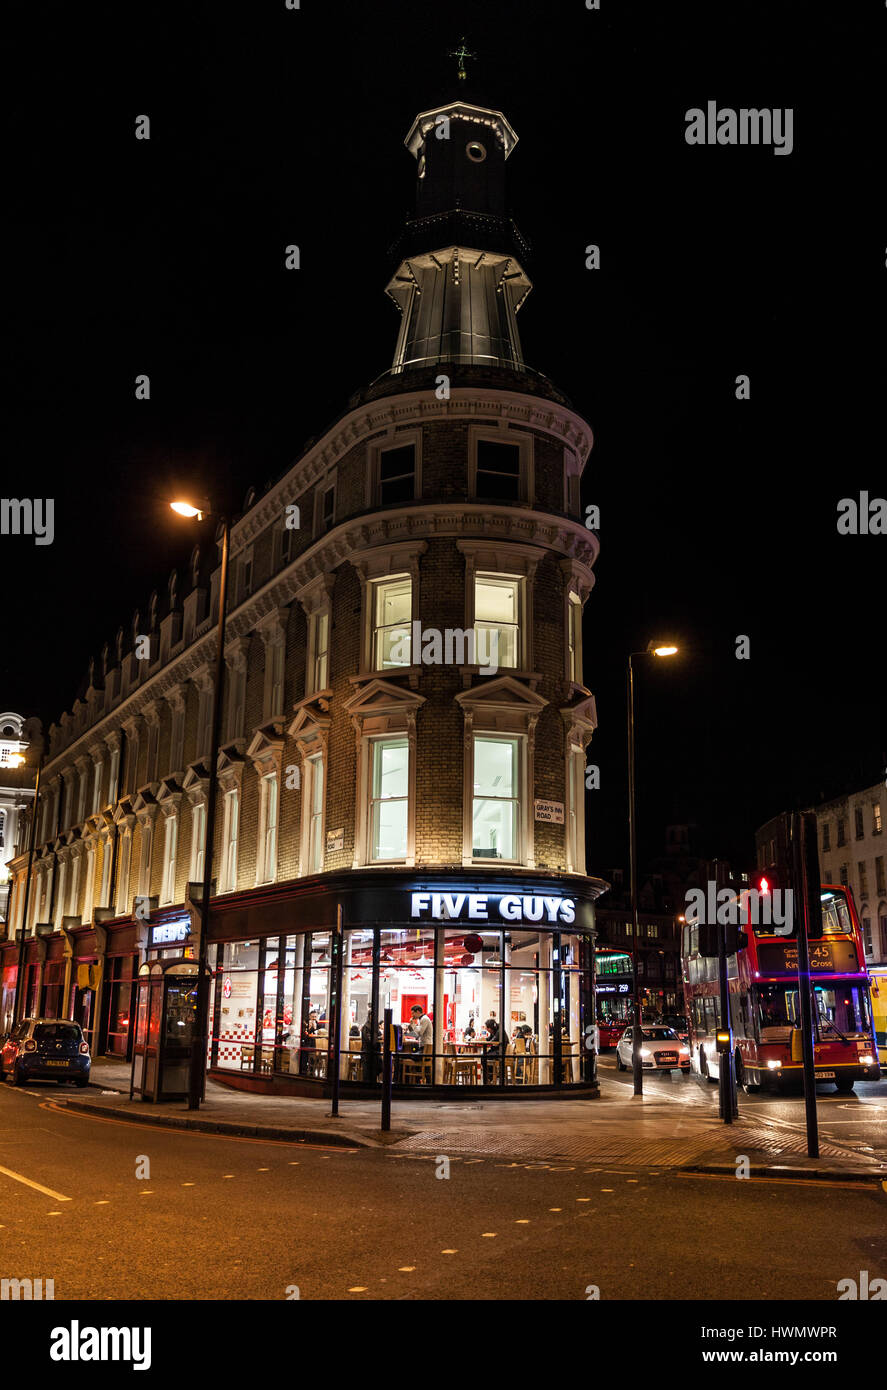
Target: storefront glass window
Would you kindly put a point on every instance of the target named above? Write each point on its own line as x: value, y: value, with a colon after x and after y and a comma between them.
x: 238, y: 1005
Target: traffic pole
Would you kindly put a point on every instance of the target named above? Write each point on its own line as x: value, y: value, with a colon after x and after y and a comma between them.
x: 337, y: 1014
x: 808, y: 912
x: 386, y: 1069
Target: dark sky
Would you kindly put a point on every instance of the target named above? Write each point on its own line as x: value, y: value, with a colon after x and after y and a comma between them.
x: 272, y: 126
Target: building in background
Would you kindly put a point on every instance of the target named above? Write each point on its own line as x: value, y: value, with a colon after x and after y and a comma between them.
x: 405, y: 720
x: 16, y: 795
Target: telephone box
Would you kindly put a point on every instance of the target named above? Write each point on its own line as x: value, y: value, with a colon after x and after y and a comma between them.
x: 166, y: 1023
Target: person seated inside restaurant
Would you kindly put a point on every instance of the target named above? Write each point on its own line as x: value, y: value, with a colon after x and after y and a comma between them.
x: 469, y: 1032
x: 494, y: 1035
x: 420, y: 1029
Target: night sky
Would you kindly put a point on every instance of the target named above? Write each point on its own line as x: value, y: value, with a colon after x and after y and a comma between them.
x: 272, y: 126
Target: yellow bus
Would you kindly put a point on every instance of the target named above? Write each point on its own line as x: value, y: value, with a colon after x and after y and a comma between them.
x: 879, y: 1008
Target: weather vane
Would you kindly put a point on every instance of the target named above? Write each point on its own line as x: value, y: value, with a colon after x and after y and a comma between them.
x: 460, y: 54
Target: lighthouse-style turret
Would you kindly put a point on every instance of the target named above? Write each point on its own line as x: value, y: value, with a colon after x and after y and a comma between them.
x: 460, y: 276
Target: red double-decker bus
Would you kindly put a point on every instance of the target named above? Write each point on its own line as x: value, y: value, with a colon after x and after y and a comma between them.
x: 765, y: 1008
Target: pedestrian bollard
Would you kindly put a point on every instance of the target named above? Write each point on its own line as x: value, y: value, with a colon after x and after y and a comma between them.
x: 387, y: 1071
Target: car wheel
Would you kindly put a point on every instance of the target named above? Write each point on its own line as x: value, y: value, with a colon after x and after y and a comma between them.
x: 81, y: 1084
x: 844, y: 1084
x: 620, y: 1065
x: 17, y: 1078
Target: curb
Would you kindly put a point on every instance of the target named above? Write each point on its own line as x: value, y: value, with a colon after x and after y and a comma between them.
x: 761, y: 1170
x: 332, y: 1138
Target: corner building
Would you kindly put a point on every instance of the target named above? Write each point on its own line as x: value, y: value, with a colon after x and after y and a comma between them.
x: 405, y: 724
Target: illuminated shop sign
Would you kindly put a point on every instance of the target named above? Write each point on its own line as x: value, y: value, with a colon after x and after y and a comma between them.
x: 162, y: 935
x: 612, y: 989
x: 486, y: 907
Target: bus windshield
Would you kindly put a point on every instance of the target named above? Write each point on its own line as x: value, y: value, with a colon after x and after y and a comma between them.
x: 841, y: 1008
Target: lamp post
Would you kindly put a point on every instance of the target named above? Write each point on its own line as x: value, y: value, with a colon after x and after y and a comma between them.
x: 197, y: 1075
x: 637, y: 1068
x: 18, y: 761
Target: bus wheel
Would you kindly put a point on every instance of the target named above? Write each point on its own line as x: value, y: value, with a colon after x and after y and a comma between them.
x: 751, y: 1088
x: 844, y: 1084
x: 703, y: 1067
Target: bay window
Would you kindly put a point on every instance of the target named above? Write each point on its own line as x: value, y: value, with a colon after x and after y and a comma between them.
x: 497, y: 603
x: 392, y: 615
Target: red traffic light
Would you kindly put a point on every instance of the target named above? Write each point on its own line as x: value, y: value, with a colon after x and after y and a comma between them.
x: 767, y: 880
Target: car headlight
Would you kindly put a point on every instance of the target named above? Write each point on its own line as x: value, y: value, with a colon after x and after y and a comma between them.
x: 645, y: 1052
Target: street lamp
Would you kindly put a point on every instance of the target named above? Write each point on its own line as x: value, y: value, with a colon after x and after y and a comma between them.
x: 197, y: 1075
x: 661, y: 649
x: 18, y: 760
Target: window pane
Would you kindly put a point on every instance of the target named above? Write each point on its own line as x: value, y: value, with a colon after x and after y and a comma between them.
x: 391, y: 760
x: 395, y: 463
x: 389, y: 829
x: 393, y: 647
x: 495, y: 600
x: 498, y: 458
x: 393, y: 602
x: 494, y: 766
x: 494, y: 829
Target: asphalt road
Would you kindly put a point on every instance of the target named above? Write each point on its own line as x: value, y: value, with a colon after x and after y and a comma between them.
x: 857, y: 1120
x: 230, y: 1218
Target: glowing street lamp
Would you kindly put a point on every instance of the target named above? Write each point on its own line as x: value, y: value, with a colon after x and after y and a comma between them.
x: 660, y: 648
x: 197, y: 1077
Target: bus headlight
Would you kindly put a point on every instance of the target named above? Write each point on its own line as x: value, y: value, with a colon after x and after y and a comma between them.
x: 865, y: 1060
x: 774, y: 1066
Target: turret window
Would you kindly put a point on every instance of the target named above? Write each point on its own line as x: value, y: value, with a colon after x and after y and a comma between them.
x: 397, y: 475
x: 498, y: 471
x: 475, y: 151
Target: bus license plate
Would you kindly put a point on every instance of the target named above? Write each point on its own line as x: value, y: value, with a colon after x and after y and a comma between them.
x: 825, y: 1076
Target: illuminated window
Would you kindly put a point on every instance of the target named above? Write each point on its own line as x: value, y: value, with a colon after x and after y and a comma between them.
x: 389, y: 798
x: 392, y: 614
x: 497, y: 620
x: 315, y: 794
x: 495, y: 807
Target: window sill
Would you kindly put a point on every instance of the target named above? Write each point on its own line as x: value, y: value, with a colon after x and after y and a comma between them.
x: 390, y: 673
x: 532, y: 678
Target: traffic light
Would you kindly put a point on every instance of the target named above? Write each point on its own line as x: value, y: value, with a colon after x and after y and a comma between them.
x: 722, y: 1040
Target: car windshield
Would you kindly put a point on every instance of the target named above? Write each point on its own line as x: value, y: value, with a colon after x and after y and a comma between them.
x: 660, y: 1034
x: 56, y: 1032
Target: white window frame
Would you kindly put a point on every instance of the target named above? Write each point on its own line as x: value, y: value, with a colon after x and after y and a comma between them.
x: 98, y: 769
x: 328, y: 483
x: 74, y: 886
x: 504, y: 560
x: 269, y: 812
x: 375, y: 587
x: 124, y: 903
x: 230, y: 835
x: 483, y: 649
x: 145, y: 851
x: 520, y: 740
x: 198, y: 842
x: 61, y: 888
x: 113, y: 775
x: 317, y: 676
x: 526, y: 477
x: 372, y: 742
x: 575, y: 808
x: 170, y: 846
x: 401, y: 558
x: 400, y: 439
x: 107, y: 865
x: 311, y: 763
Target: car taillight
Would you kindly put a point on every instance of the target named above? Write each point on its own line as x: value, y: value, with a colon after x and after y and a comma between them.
x: 84, y: 1047
x: 30, y: 1045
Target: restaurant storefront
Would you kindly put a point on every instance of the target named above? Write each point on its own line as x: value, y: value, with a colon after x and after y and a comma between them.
x: 502, y: 971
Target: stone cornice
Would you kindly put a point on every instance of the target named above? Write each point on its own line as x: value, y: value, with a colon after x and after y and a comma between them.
x: 420, y: 407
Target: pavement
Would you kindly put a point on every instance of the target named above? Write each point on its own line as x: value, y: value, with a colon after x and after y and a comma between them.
x: 680, y: 1131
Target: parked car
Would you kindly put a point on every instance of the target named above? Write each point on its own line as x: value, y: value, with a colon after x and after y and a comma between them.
x: 611, y: 1030
x: 661, y: 1050
x: 46, y: 1049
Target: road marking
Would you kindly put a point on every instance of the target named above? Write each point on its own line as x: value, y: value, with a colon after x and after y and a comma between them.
x: 358, y: 1288
x: 784, y: 1182
x: 488, y: 1235
x: 522, y: 1222
x: 449, y: 1252
x: 38, y: 1187
x: 406, y: 1269
x: 189, y: 1184
x: 555, y: 1208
